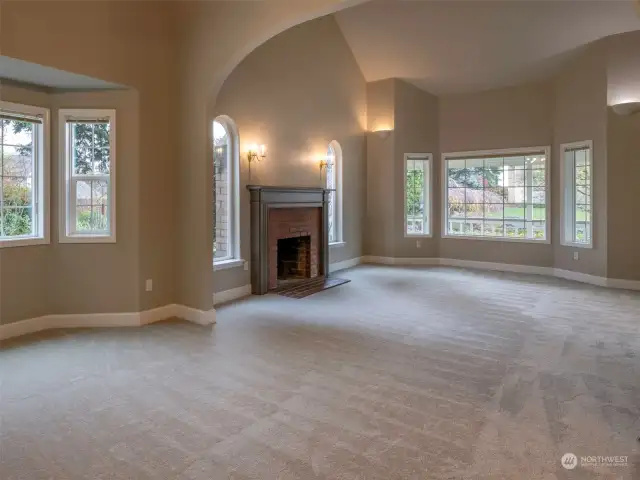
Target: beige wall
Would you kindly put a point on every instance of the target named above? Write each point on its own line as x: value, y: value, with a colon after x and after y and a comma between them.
x: 24, y: 271
x: 380, y: 206
x: 76, y: 278
x: 296, y: 93
x: 416, y: 131
x: 623, y: 158
x: 132, y: 43
x: 580, y: 113
x: 498, y: 119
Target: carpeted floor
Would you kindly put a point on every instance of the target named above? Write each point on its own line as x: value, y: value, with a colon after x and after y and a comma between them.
x: 401, y: 374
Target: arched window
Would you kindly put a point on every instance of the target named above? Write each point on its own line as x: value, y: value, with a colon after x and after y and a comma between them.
x: 334, y: 183
x: 226, y: 209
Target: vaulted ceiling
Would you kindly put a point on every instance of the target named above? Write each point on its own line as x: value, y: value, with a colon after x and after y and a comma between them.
x: 457, y: 46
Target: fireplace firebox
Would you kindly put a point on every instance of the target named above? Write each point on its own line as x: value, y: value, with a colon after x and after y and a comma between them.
x: 294, y: 258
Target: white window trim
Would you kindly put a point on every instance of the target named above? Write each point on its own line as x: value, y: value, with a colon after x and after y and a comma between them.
x: 66, y: 216
x: 504, y: 151
x: 428, y: 194
x: 42, y: 174
x: 338, y: 212
x: 234, y: 259
x: 564, y: 218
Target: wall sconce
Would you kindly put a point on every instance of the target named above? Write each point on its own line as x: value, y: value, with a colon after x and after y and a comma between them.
x: 255, y: 153
x: 326, y: 163
x: 627, y: 108
x: 383, y: 134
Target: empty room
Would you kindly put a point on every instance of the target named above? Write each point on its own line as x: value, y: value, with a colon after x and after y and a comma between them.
x: 328, y: 239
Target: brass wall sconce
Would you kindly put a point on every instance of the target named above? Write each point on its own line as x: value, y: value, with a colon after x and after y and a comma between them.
x: 255, y: 153
x: 325, y: 164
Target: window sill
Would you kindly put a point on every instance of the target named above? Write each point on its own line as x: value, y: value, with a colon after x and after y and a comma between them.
x: 497, y: 239
x: 24, y: 242
x: 337, y: 244
x: 418, y: 235
x: 225, y: 264
x: 88, y: 239
x: 588, y: 246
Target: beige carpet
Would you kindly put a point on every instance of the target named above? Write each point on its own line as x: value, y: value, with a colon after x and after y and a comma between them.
x: 401, y: 374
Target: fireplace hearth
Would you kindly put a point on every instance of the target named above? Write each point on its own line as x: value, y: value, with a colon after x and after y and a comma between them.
x: 289, y: 235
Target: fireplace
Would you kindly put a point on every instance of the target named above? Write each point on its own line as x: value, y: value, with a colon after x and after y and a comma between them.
x: 289, y: 235
x: 294, y: 258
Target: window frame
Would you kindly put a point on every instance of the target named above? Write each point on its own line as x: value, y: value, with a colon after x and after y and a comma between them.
x: 338, y: 212
x: 568, y: 218
x: 428, y: 186
x: 497, y: 152
x: 42, y: 177
x: 234, y: 258
x: 67, y: 182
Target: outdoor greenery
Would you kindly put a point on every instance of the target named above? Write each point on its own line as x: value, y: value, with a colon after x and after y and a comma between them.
x: 91, y: 148
x: 16, y: 215
x: 414, y: 189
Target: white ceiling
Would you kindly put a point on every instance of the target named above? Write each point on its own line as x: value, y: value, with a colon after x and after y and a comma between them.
x: 38, y: 75
x: 457, y: 46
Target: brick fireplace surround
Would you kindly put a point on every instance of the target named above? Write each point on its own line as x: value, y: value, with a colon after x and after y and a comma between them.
x: 286, y: 212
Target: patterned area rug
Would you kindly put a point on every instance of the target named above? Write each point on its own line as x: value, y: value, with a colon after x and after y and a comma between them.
x: 306, y: 288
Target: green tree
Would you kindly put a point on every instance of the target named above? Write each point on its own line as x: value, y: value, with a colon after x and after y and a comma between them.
x: 91, y: 147
x: 15, y: 218
x: 414, y: 189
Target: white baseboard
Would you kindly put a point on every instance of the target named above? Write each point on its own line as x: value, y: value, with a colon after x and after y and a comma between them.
x: 507, y: 267
x: 580, y: 277
x: 623, y: 284
x: 501, y: 267
x: 94, y: 320
x: 400, y: 260
x: 231, y: 294
x: 337, y: 266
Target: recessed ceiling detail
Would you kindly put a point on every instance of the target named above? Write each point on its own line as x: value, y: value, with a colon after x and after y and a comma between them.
x: 457, y: 46
x: 20, y: 71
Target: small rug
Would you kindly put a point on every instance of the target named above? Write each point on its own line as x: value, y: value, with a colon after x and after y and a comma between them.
x: 309, y: 287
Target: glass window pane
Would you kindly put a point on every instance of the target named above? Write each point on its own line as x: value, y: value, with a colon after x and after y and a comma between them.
x: 539, y: 212
x: 514, y: 195
x: 538, y: 195
x: 457, y: 177
x: 17, y: 221
x: 474, y: 195
x: 456, y: 196
x: 474, y: 210
x: 514, y: 162
x: 514, y: 211
x: 83, y: 218
x: 494, y: 210
x: 456, y: 210
x: 17, y: 192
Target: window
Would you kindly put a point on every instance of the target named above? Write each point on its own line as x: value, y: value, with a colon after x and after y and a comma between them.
x: 498, y: 195
x: 333, y: 182
x: 24, y: 175
x: 226, y: 222
x: 417, y: 191
x: 577, y: 195
x: 88, y: 191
